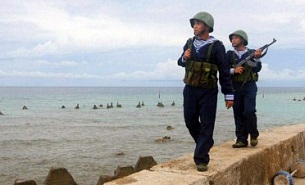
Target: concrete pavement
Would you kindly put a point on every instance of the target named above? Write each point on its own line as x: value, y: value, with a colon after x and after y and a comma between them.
x: 278, y: 148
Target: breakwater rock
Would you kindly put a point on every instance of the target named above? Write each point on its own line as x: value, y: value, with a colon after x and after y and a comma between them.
x: 61, y: 176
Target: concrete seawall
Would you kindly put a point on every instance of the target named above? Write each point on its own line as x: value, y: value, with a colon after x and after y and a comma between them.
x: 278, y: 148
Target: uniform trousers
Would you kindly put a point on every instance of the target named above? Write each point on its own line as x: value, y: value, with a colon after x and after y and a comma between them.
x: 245, y: 110
x: 199, y: 106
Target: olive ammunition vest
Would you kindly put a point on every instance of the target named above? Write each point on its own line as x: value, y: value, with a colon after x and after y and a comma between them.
x: 246, y: 76
x: 201, y: 74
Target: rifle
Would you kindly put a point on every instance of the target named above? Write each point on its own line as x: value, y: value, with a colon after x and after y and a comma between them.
x: 248, y: 58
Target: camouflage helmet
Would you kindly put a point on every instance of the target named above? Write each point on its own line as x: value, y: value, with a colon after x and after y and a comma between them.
x: 240, y: 33
x: 204, y: 17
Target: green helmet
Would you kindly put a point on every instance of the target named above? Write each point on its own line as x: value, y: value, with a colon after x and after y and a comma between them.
x: 204, y: 17
x: 242, y: 34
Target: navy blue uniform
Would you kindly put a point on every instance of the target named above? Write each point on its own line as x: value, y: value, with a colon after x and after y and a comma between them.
x: 200, y: 103
x: 245, y: 97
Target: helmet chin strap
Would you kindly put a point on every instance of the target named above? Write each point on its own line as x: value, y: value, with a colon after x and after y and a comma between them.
x: 202, y: 32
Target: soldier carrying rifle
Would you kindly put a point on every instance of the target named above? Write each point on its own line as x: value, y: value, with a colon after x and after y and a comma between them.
x: 245, y: 65
x: 203, y: 58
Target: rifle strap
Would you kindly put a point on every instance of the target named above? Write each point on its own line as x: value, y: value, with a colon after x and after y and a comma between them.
x: 190, y: 43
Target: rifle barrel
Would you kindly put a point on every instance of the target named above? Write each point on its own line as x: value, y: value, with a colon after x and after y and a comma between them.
x: 252, y: 54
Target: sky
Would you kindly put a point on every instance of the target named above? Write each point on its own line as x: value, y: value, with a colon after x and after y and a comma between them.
x: 138, y: 42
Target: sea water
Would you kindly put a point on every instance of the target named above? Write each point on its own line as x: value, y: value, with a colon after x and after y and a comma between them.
x: 92, y: 142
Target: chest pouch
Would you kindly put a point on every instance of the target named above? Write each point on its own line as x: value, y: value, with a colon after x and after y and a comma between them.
x: 201, y: 74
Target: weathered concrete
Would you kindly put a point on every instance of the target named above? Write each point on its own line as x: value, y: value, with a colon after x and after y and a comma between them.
x: 123, y: 171
x: 278, y: 148
x: 24, y: 182
x: 105, y: 178
x: 145, y: 163
x: 59, y: 176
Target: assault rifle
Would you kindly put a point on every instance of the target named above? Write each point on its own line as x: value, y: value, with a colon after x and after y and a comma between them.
x: 248, y: 58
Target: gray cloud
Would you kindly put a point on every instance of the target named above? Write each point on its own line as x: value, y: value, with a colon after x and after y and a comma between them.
x: 109, y: 39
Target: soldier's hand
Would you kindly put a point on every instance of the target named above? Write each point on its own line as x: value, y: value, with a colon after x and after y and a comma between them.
x: 187, y: 54
x: 258, y: 53
x: 239, y: 70
x: 229, y: 104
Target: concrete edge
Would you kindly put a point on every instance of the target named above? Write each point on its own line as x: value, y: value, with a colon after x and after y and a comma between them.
x: 278, y: 148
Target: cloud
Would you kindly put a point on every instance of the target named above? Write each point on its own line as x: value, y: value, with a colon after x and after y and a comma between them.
x: 39, y: 74
x: 268, y: 74
x: 60, y: 39
x: 55, y: 64
x: 60, y: 31
x: 58, y: 27
x: 168, y: 70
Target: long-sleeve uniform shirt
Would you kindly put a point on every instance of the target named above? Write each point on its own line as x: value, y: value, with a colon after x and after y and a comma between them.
x: 245, y: 94
x: 250, y: 74
x: 218, y: 57
x: 201, y: 89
